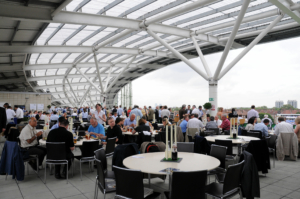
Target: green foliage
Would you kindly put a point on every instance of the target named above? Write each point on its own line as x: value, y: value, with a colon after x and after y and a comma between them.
x: 207, y: 106
x: 262, y: 107
x: 287, y: 107
x: 49, y: 106
x: 261, y: 116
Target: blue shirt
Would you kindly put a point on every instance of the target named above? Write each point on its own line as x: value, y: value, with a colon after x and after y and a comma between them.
x: 137, y: 112
x: 128, y: 122
x: 55, y: 126
x: 54, y: 117
x: 99, y: 129
x: 263, y: 128
x: 159, y: 113
x: 183, y: 126
x: 120, y: 111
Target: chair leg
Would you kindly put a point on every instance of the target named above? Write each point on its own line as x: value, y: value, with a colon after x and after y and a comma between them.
x: 95, y: 189
x: 37, y: 166
x: 6, y: 177
x: 45, y: 174
x: 67, y: 173
x: 27, y: 168
x: 149, y: 180
x: 273, y: 159
x: 241, y: 194
x: 80, y: 170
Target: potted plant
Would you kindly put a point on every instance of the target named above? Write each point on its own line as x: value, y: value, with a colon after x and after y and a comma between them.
x: 207, y: 107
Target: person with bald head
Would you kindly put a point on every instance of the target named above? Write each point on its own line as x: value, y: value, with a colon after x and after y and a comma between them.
x: 28, y: 138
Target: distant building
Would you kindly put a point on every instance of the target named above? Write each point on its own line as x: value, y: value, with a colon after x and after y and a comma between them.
x: 293, y: 103
x: 278, y: 104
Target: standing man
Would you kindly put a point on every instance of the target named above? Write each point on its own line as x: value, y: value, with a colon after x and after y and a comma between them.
x: 19, y: 114
x: 196, y: 111
x: 183, y: 126
x: 120, y: 111
x: 182, y: 111
x: 150, y: 114
x: 201, y: 113
x: 61, y: 134
x: 10, y: 114
x: 145, y: 112
x: 156, y: 111
x: 136, y: 111
x: 252, y: 113
x: 165, y: 112
x: 99, y: 114
x: 28, y: 138
x: 159, y: 114
x: 188, y: 110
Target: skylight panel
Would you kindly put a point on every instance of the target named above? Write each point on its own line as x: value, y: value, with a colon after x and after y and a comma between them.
x: 58, y: 57
x: 73, y: 4
x: 122, y: 7
x: 44, y: 58
x: 72, y: 57
x: 78, y: 37
x: 62, y: 71
x: 51, y: 72
x: 58, y: 81
x: 45, y: 35
x: 60, y: 36
x: 95, y: 6
x: 50, y: 81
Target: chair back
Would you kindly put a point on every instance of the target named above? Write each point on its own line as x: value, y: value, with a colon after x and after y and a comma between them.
x: 56, y: 151
x: 216, y: 130
x: 20, y: 126
x: 255, y: 133
x: 13, y: 134
x: 242, y: 121
x: 219, y: 152
x: 185, y: 147
x: 110, y: 146
x: 188, y: 184
x: 190, y: 138
x: 54, y: 121
x: 100, y: 155
x: 100, y: 175
x: 129, y: 183
x: 226, y: 143
x: 233, y: 177
x: 88, y: 148
x: 244, y: 131
x: 272, y: 141
x: 192, y: 131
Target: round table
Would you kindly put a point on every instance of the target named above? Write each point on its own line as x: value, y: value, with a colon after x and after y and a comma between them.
x: 151, y: 162
x: 245, y: 139
x: 239, y: 142
x: 79, y: 143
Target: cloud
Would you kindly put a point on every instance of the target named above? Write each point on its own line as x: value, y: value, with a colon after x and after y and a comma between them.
x: 269, y: 72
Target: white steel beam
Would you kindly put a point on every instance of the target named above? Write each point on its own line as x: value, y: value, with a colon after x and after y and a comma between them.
x: 98, y: 73
x: 250, y: 46
x: 231, y: 38
x: 88, y: 79
x: 72, y: 90
x: 108, y: 76
x: 202, y: 58
x: 177, y: 54
x: 25, y: 57
x: 121, y: 73
x: 286, y: 10
x: 60, y: 7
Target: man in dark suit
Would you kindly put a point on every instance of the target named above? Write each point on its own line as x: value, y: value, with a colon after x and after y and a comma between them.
x: 61, y: 134
x: 3, y: 119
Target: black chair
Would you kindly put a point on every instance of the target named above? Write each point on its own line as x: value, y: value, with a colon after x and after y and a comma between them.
x: 101, y: 183
x: 87, y: 153
x: 56, y: 154
x: 13, y: 134
x: 110, y: 146
x: 100, y: 156
x: 185, y: 147
x: 226, y: 132
x: 142, y: 138
x: 187, y: 185
x: 54, y: 121
x: 255, y: 133
x: 129, y: 184
x: 244, y: 132
x: 86, y: 126
x: 84, y: 119
x: 217, y: 130
x: 218, y: 152
x: 228, y: 144
x: 272, y: 146
x: 231, y: 184
x: 51, y: 124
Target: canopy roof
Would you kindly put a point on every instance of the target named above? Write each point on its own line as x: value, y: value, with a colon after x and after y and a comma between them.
x: 52, y: 44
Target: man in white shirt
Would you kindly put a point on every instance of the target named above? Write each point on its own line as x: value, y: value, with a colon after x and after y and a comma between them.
x: 218, y: 121
x: 252, y: 113
x: 196, y: 111
x: 54, y: 116
x: 28, y: 138
x: 194, y: 122
x: 10, y: 114
x: 99, y: 114
x: 283, y: 127
x: 19, y: 114
x: 165, y: 112
x: 120, y: 110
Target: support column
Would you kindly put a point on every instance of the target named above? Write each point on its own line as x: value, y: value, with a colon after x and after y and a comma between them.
x: 213, y: 97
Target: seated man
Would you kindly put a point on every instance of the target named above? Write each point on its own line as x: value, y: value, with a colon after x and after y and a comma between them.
x: 283, y: 127
x: 194, y: 122
x: 28, y: 139
x: 263, y: 127
x: 211, y: 123
x: 97, y: 130
x: 54, y: 116
x: 115, y: 116
x: 55, y: 126
x: 131, y: 122
x: 114, y: 131
x: 225, y: 123
x: 217, y: 121
x: 61, y: 134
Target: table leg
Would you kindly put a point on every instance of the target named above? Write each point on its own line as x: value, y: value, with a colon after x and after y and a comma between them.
x: 149, y: 180
x: 239, y: 149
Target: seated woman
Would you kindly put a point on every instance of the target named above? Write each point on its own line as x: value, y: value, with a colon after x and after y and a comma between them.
x: 114, y: 131
x: 120, y: 123
x: 142, y: 127
x: 251, y: 124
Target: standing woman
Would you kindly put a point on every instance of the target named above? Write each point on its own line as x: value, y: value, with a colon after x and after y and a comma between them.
x: 128, y: 111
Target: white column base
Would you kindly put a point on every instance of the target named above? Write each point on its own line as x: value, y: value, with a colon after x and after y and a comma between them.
x: 213, y: 97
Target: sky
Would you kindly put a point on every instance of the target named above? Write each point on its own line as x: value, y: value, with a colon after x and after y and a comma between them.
x: 269, y: 72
